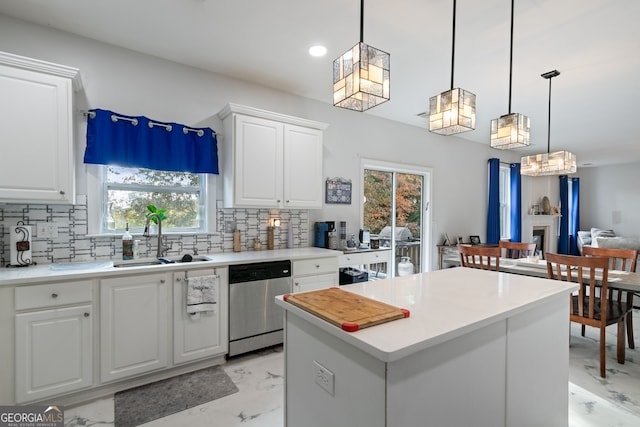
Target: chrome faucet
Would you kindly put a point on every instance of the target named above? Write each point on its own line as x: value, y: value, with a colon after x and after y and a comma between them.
x: 161, y: 248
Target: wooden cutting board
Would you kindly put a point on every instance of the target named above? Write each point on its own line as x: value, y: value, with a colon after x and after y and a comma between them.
x: 344, y: 309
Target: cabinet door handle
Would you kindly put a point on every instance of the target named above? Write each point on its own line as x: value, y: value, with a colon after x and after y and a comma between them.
x: 288, y: 201
x: 62, y: 192
x: 178, y: 279
x: 278, y: 200
x: 296, y: 284
x: 54, y: 295
x: 317, y: 265
x: 162, y: 281
x: 87, y: 315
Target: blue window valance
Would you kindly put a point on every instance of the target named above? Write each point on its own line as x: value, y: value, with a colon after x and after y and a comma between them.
x: 137, y: 141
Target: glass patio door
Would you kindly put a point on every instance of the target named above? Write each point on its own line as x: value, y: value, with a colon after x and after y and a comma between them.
x: 395, y: 210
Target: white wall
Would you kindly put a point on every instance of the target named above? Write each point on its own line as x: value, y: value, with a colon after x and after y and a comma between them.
x: 610, y: 198
x: 136, y: 84
x: 535, y: 188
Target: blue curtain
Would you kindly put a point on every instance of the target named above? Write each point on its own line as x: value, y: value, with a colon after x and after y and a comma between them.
x: 563, y: 239
x: 493, y: 214
x: 516, y: 202
x: 136, y: 141
x: 574, y: 215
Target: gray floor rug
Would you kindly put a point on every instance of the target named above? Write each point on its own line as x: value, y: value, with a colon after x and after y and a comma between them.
x: 156, y: 400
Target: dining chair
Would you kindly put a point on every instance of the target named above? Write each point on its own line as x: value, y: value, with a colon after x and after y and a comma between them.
x: 624, y: 260
x: 586, y: 308
x: 517, y: 249
x: 481, y: 257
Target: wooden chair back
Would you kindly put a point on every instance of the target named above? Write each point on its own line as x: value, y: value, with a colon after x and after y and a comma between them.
x: 587, y: 272
x: 619, y: 259
x: 481, y: 257
x: 588, y: 307
x: 517, y: 249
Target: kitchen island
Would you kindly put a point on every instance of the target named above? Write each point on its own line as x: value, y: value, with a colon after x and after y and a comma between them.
x: 479, y: 348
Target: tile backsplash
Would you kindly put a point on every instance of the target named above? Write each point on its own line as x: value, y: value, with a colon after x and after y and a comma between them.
x: 74, y: 244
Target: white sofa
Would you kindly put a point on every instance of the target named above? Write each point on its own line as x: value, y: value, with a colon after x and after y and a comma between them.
x: 606, y: 239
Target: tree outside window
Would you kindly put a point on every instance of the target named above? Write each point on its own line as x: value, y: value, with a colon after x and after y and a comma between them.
x: 128, y: 191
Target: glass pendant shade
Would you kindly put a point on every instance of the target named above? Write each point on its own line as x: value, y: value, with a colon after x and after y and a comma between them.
x: 510, y: 131
x: 453, y: 111
x: 361, y: 78
x: 558, y: 163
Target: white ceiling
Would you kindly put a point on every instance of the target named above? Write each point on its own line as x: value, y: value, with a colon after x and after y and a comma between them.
x: 595, y: 44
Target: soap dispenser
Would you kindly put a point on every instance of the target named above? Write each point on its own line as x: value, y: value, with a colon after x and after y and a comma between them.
x: 127, y: 244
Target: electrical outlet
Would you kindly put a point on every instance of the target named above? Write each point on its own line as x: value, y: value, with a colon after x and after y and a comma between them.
x: 47, y: 230
x: 323, y: 377
x: 229, y: 226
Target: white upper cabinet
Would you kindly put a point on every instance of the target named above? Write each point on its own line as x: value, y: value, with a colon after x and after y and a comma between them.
x: 36, y: 130
x: 271, y: 160
x: 303, y: 174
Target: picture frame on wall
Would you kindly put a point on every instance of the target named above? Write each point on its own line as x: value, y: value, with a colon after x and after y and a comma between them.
x: 475, y: 240
x: 445, y: 240
x: 338, y: 191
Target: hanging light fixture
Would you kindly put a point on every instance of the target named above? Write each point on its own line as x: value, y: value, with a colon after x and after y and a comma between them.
x: 513, y: 129
x: 558, y: 163
x: 361, y: 75
x: 452, y: 111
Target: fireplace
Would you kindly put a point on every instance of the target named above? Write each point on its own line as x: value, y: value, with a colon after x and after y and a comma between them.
x: 541, y: 230
x: 539, y: 238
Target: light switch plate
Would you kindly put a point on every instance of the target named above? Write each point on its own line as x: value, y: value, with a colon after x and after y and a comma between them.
x: 47, y: 230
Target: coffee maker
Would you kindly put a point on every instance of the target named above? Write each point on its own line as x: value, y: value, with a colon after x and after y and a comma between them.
x: 320, y: 230
x: 325, y: 235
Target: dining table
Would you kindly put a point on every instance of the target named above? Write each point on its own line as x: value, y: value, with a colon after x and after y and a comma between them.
x: 617, y: 280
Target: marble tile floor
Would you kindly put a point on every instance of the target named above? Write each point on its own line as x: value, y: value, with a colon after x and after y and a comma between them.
x: 593, y: 401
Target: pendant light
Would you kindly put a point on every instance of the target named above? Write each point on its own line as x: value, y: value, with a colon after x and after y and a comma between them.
x: 452, y: 111
x: 513, y: 129
x: 558, y: 163
x: 361, y: 75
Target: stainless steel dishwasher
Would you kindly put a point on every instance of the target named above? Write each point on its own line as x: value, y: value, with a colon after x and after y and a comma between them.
x: 254, y: 319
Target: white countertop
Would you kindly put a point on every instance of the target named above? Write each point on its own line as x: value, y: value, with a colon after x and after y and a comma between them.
x: 97, y: 269
x: 443, y: 304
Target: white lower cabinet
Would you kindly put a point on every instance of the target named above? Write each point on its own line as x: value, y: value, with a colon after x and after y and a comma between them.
x: 314, y: 273
x: 53, y: 341
x: 134, y: 320
x: 196, y: 336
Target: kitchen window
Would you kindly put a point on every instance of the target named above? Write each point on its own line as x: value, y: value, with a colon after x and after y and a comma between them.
x: 156, y: 154
x: 128, y: 191
x: 117, y: 195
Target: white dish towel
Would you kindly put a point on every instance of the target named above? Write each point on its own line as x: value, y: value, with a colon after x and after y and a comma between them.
x: 202, y: 294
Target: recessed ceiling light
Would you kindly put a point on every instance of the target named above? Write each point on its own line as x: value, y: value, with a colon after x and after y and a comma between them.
x: 317, y: 50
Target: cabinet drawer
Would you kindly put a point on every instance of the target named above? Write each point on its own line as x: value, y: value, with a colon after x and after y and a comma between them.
x: 52, y: 295
x: 315, y: 265
x: 372, y: 257
x: 346, y: 260
x: 311, y: 283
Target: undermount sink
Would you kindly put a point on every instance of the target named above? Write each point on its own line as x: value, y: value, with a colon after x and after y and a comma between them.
x: 138, y: 264
x: 71, y: 266
x: 164, y: 260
